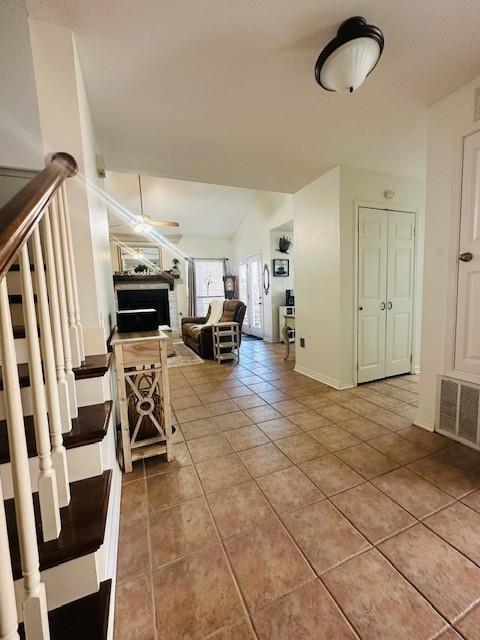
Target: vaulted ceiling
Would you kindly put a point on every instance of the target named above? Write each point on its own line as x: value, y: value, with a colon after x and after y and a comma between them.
x: 222, y: 91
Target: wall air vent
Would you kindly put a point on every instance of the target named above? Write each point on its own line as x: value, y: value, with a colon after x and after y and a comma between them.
x: 458, y: 404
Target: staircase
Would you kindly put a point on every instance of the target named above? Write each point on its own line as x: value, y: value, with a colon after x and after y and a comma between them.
x: 60, y: 483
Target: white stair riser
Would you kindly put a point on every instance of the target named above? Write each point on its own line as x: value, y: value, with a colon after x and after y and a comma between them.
x: 14, y: 283
x: 83, y: 462
x: 89, y: 391
x: 21, y: 349
x: 16, y: 311
x: 66, y: 582
x: 93, y: 390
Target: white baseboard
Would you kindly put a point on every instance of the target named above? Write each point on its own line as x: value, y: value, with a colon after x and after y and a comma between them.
x: 320, y: 377
x: 424, y: 423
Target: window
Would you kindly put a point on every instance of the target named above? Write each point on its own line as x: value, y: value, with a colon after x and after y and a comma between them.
x: 208, y: 283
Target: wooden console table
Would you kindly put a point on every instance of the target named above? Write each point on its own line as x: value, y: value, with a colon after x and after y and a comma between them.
x: 144, y: 394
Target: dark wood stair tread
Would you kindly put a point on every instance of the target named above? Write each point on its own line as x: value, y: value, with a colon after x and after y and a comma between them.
x: 16, y: 267
x: 17, y: 298
x: 19, y: 331
x: 83, y: 619
x: 83, y: 524
x: 91, y: 426
x: 93, y: 367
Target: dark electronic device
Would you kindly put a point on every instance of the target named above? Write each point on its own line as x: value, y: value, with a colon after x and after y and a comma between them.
x: 130, y: 320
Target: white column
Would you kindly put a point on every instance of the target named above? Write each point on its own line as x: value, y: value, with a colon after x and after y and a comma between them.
x: 62, y: 384
x: 67, y: 271
x: 62, y: 301
x: 73, y: 270
x: 8, y: 607
x: 59, y: 454
x: 47, y: 481
x: 34, y: 604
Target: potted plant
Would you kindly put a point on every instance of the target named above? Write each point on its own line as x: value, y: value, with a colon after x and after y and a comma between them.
x: 284, y: 244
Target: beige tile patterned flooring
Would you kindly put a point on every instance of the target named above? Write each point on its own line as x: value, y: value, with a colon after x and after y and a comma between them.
x: 296, y: 512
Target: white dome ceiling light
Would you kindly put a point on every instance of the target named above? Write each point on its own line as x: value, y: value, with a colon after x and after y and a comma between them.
x: 348, y: 59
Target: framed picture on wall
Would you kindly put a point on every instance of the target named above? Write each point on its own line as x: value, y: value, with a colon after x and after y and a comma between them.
x: 281, y: 268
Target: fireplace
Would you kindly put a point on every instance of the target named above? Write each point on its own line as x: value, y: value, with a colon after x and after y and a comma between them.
x: 146, y: 299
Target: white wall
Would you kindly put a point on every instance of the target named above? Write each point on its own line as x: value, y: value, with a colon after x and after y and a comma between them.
x: 20, y: 138
x: 317, y: 278
x: 368, y: 187
x: 325, y: 264
x: 449, y: 120
x: 66, y: 126
x: 268, y: 210
x: 98, y: 217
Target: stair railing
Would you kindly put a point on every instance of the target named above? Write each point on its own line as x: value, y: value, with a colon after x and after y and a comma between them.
x: 35, y: 226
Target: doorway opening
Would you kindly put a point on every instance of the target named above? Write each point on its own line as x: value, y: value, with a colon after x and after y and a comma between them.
x: 385, y: 293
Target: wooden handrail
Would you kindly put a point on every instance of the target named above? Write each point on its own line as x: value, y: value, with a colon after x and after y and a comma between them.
x: 21, y: 214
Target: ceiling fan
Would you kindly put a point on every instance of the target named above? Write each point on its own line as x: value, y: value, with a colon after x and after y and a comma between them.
x: 144, y: 223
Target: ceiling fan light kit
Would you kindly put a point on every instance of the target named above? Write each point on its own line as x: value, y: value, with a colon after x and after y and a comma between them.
x: 350, y: 57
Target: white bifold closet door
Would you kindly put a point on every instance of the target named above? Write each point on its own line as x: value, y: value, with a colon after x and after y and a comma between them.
x: 467, y: 343
x: 386, y: 262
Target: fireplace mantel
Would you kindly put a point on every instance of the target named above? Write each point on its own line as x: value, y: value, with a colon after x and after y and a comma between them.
x: 161, y: 278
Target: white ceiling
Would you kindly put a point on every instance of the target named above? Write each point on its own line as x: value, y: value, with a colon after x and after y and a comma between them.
x: 201, y: 209
x: 223, y: 91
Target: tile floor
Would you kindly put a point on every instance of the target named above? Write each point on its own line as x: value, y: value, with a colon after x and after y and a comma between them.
x: 296, y: 512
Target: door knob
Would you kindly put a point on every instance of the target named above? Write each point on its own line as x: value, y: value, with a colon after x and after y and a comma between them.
x: 466, y: 257
x: 390, y: 305
x: 360, y: 308
x: 382, y: 306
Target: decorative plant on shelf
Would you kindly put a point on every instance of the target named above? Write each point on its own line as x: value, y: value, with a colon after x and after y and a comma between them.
x: 175, y: 267
x: 284, y: 244
x: 141, y: 268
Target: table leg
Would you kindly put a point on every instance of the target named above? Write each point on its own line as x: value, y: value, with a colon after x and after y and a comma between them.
x: 286, y: 340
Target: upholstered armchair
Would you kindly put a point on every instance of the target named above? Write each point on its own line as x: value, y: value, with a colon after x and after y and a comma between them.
x: 197, y: 335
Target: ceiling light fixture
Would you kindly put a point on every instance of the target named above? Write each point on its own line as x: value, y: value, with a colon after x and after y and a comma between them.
x: 348, y: 59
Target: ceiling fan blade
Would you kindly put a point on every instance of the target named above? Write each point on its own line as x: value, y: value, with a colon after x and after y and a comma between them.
x: 163, y: 223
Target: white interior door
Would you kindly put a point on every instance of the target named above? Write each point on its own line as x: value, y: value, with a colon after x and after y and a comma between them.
x: 372, y: 287
x: 467, y: 342
x: 400, y: 285
x: 386, y: 263
x: 251, y: 293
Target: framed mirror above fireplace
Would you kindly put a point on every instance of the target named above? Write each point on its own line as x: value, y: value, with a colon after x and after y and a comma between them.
x: 131, y: 255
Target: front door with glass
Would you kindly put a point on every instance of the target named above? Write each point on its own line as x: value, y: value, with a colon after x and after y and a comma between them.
x: 251, y: 293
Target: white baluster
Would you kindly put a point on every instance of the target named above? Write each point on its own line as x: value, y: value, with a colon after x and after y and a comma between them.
x: 35, y: 603
x: 72, y: 326
x: 62, y: 384
x: 62, y: 301
x: 47, y: 481
x: 73, y: 271
x: 8, y: 607
x: 59, y: 454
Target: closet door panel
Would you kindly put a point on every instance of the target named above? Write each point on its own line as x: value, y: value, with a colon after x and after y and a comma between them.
x: 400, y: 292
x: 372, y: 282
